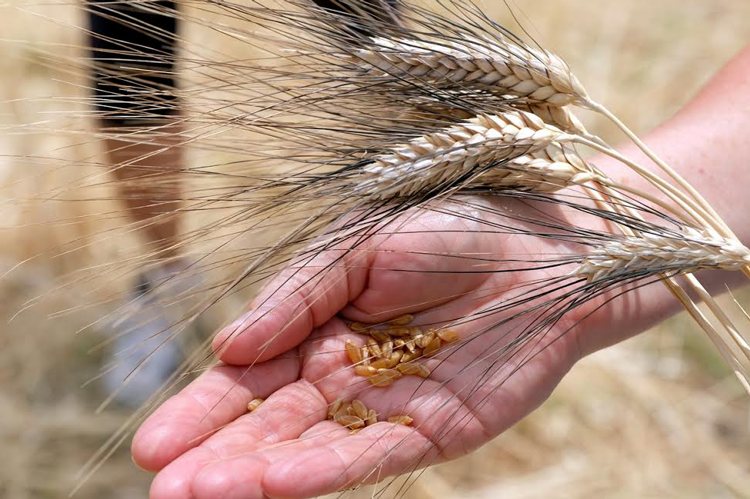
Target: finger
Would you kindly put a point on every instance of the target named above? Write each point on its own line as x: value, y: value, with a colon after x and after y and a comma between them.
x: 285, y: 415
x: 314, y: 466
x: 242, y: 476
x: 379, y: 451
x: 211, y: 401
x: 292, y: 304
x: 444, y: 427
x: 400, y: 270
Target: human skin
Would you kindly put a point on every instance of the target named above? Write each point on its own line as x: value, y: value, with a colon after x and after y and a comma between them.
x: 149, y: 182
x: 287, y: 449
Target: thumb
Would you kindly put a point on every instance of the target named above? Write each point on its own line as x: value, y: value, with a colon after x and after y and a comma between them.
x: 303, y: 296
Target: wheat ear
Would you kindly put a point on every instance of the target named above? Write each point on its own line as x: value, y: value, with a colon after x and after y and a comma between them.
x: 435, y: 158
x: 693, y: 252
x: 499, y: 65
x: 560, y: 116
x: 555, y: 167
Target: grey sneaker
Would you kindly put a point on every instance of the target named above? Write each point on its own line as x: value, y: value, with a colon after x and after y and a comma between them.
x: 146, y: 351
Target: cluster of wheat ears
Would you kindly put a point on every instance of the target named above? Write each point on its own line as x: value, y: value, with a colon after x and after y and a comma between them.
x: 485, y: 111
x: 358, y: 117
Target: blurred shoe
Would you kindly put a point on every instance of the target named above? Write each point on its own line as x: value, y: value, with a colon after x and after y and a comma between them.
x: 146, y: 349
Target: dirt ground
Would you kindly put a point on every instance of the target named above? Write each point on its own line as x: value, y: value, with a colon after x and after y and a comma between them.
x: 657, y: 416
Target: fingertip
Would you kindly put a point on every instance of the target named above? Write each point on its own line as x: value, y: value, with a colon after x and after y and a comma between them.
x: 225, y: 336
x: 239, y: 478
x: 176, y: 480
x: 153, y: 448
x: 280, y: 478
x: 261, y: 335
x: 310, y: 473
x: 168, y: 485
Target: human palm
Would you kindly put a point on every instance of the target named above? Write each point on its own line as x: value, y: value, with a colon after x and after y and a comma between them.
x: 442, y: 265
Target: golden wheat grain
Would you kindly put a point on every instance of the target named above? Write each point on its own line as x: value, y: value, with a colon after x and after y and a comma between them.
x: 254, y: 404
x: 359, y: 409
x: 351, y: 422
x: 372, y: 417
x: 402, y: 420
x: 364, y: 370
x: 403, y: 320
x: 353, y: 352
x: 447, y: 335
x: 384, y: 377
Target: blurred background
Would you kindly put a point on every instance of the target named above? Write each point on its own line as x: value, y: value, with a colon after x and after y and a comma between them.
x: 657, y: 416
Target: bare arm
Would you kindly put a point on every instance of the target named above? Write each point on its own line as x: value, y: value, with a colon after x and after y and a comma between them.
x: 708, y: 143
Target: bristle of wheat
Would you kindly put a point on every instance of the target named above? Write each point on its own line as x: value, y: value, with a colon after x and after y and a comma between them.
x: 659, y: 254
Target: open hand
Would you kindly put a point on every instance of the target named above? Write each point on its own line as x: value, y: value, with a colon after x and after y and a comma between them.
x: 441, y: 265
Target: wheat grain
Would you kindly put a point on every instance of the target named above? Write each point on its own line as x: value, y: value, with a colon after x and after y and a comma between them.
x: 372, y: 417
x: 387, y: 348
x: 447, y: 335
x: 394, y: 359
x: 381, y: 364
x: 364, y: 370
x: 432, y: 347
x: 408, y: 356
x: 343, y: 410
x: 353, y: 415
x: 254, y: 404
x: 403, y: 320
x: 425, y: 339
x: 351, y: 422
x: 372, y: 342
x: 353, y: 352
x: 402, y: 420
x: 398, y: 331
x: 384, y: 377
x: 423, y: 371
x: 334, y: 408
x: 358, y: 327
x: 379, y: 335
x: 359, y: 409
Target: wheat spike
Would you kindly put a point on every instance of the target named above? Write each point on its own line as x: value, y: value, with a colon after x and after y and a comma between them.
x: 436, y: 158
x: 659, y: 254
x: 547, y: 170
x: 498, y: 65
x: 560, y: 116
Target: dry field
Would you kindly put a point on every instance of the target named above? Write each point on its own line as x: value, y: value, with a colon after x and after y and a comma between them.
x: 658, y: 416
